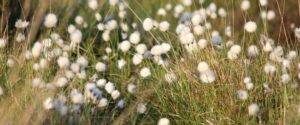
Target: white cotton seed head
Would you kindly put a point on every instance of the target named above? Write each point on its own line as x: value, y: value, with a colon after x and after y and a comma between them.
x: 222, y: 12
x: 43, y: 63
x: 196, y: 19
x: 156, y: 50
x: 187, y: 38
x: 141, y: 48
x: 76, y: 36
x: 253, y: 51
x: 229, y: 43
x: 75, y: 67
x: 82, y: 61
x: 249, y: 86
x: 165, y: 47
x: 203, y: 67
x: 100, y: 67
x: 285, y: 78
x: 3, y: 42
x: 20, y: 37
x: 103, y: 102
x: 135, y: 37
x: 263, y: 2
x: 61, y: 82
x: 161, y: 12
x: 100, y: 26
x: 199, y: 30
x: 93, y: 4
x: 247, y: 80
x: 10, y: 62
x: 236, y: 49
x: 37, y: 82
x: 77, y: 98
x: 124, y: 46
x: 108, y: 50
x: 71, y: 28
x: 106, y: 35
x: 164, y: 26
x: 109, y: 87
x: 115, y: 94
x: 48, y: 103
x: 207, y: 77
x: 137, y: 59
x: 131, y: 88
x: 63, y: 62
x: 245, y: 5
x: 1, y: 91
x: 202, y: 43
x: 121, y: 63
x: 145, y: 72
x: 111, y: 25
x: 253, y: 109
x: 79, y: 20
x: 37, y: 49
x: 163, y: 121
x: 113, y: 2
x: 242, y: 94
x: 297, y: 33
x: 69, y: 74
x: 141, y: 108
x: 148, y: 24
x: 263, y: 14
x: 170, y: 77
x: 21, y: 24
x: 50, y: 20
x: 271, y: 15
x: 101, y: 83
x: 269, y: 69
x: 250, y: 27
x: 98, y: 16
x: 292, y: 55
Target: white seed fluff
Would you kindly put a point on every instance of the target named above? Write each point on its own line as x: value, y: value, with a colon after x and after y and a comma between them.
x: 250, y: 27
x: 141, y: 48
x: 245, y: 5
x: 109, y: 87
x: 131, y: 88
x: 100, y: 67
x: 76, y: 36
x: 164, y: 26
x: 50, y: 20
x: 253, y: 51
x: 134, y: 38
x: 3, y: 42
x: 61, y: 82
x: 242, y: 94
x: 124, y: 46
x: 207, y: 77
x: 145, y: 72
x: 63, y: 62
x: 202, y: 67
x: 103, y: 102
x: 253, y: 109
x: 148, y: 24
x: 163, y: 121
x: 115, y: 94
x: 141, y: 108
x: 93, y: 4
x: 137, y: 59
x: 36, y: 49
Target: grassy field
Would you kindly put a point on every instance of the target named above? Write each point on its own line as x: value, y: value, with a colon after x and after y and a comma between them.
x: 225, y: 72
